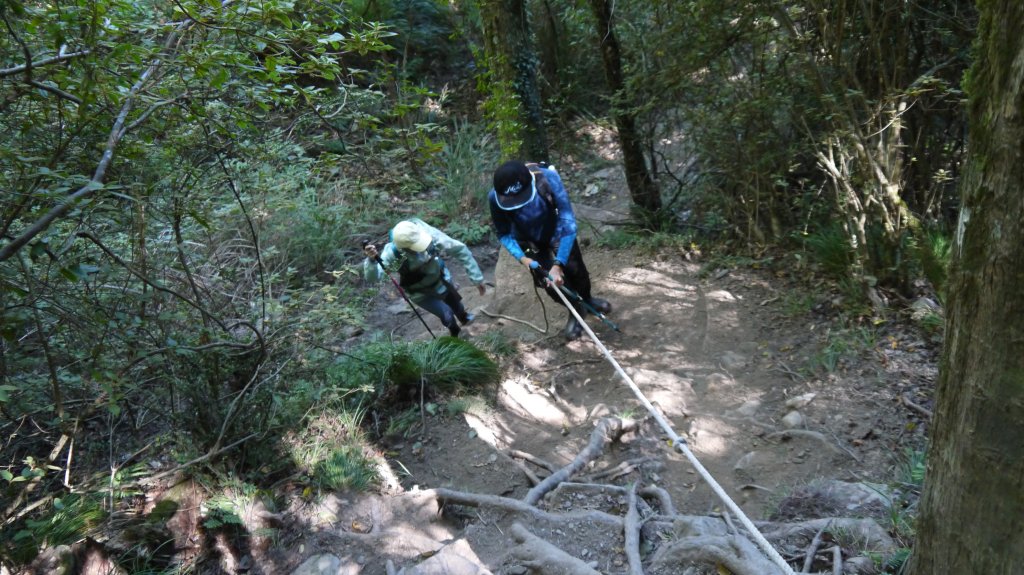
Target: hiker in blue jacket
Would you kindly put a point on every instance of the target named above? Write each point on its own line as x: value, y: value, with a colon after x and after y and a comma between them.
x: 534, y: 220
x: 414, y: 252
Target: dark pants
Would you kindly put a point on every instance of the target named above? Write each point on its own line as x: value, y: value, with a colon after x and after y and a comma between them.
x: 577, y: 278
x: 447, y: 307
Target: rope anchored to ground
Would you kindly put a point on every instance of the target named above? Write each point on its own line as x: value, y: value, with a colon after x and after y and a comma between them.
x: 679, y: 444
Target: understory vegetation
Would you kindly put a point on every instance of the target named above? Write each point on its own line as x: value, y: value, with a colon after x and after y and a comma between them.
x: 187, y: 186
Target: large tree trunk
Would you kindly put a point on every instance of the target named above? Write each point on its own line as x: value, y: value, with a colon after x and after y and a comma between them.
x: 642, y: 186
x: 510, y: 56
x: 972, y: 514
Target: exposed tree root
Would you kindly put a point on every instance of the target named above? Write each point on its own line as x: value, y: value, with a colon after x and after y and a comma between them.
x: 609, y: 429
x: 632, y: 533
x: 862, y: 533
x: 664, y: 499
x: 624, y: 468
x: 706, y: 540
x: 516, y: 454
x: 544, y: 557
x: 445, y: 496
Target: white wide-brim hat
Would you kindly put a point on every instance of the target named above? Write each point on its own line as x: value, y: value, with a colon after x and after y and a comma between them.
x: 409, y: 236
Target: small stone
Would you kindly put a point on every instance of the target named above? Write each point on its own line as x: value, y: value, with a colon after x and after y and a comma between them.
x: 517, y: 570
x: 749, y: 408
x: 792, y: 420
x: 800, y: 401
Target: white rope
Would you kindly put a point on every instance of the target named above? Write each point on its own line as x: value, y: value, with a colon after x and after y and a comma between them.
x: 680, y: 444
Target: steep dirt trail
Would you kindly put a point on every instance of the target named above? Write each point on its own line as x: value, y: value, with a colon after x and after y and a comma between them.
x: 727, y: 357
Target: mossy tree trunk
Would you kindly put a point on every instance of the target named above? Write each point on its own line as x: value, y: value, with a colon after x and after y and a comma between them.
x: 642, y: 187
x: 972, y: 512
x: 508, y: 44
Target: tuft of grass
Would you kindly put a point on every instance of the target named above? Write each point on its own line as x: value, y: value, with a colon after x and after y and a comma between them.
x: 331, y: 447
x: 345, y: 468
x: 402, y: 423
x: 644, y: 241
x: 497, y: 343
x: 451, y: 365
x: 446, y: 364
x: 467, y: 159
x: 829, y: 247
x: 468, y: 404
x: 68, y: 519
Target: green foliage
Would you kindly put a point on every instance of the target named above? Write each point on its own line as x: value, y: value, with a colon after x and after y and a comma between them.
x: 445, y: 364
x: 497, y: 343
x: 344, y: 468
x: 66, y: 520
x: 829, y: 248
x: 470, y: 232
x: 644, y: 241
x: 467, y: 161
x: 469, y: 404
x: 330, y: 447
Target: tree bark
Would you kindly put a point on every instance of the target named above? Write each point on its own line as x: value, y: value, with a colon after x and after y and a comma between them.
x: 972, y: 512
x: 642, y: 187
x: 510, y: 56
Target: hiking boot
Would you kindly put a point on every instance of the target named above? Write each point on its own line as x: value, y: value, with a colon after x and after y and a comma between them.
x: 573, y: 330
x: 467, y: 319
x: 600, y: 305
x: 454, y: 329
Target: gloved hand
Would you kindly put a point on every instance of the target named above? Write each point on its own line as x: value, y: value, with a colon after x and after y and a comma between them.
x: 538, y: 271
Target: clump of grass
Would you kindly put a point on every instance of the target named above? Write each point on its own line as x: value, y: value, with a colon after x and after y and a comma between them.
x: 497, y: 343
x: 468, y: 404
x: 644, y: 241
x: 829, y: 247
x: 445, y: 364
x: 69, y: 519
x: 451, y: 365
x: 331, y: 449
x: 345, y: 468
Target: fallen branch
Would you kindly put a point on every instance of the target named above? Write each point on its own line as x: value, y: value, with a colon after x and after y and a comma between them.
x: 530, y: 475
x: 922, y: 410
x: 200, y: 459
x: 543, y: 557
x: 607, y: 430
x: 623, y: 468
x: 569, y: 364
x: 516, y: 454
x: 837, y: 560
x: 509, y: 318
x: 446, y: 496
x: 812, y: 549
x: 632, y: 534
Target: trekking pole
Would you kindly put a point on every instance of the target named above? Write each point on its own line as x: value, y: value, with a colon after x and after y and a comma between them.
x: 401, y: 291
x: 577, y: 298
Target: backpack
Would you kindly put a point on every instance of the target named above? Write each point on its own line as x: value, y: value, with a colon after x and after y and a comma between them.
x: 543, y: 188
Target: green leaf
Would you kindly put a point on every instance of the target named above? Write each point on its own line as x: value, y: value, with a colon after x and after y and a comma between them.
x: 7, y: 475
x: 69, y: 274
x: 333, y: 39
x: 58, y: 504
x: 4, y: 389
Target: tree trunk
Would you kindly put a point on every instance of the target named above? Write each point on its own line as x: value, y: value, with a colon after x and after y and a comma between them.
x: 510, y: 56
x: 972, y: 514
x: 642, y: 187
